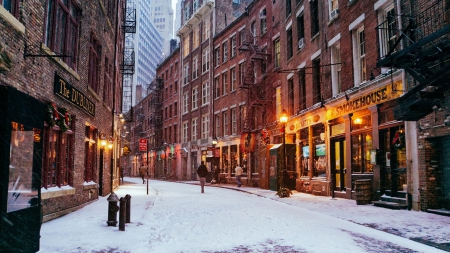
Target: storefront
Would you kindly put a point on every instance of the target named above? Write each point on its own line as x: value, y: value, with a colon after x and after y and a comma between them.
x: 308, y: 133
x: 365, y: 142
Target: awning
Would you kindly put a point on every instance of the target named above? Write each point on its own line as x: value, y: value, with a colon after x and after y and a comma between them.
x: 273, y: 150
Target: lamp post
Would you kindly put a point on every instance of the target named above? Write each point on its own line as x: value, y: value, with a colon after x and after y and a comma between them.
x: 283, y: 121
x: 165, y: 160
x: 102, y: 152
x: 214, y: 143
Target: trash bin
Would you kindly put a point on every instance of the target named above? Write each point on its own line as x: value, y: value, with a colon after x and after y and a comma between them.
x: 363, y: 189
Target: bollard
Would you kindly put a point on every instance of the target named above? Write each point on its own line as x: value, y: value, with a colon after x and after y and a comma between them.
x: 128, y: 198
x: 112, y: 209
x: 122, y: 214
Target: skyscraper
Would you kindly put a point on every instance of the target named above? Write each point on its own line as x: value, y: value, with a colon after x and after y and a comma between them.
x: 161, y: 15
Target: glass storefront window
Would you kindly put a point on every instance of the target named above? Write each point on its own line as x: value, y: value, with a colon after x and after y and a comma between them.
x: 21, y: 194
x: 361, y: 146
x: 304, y: 152
x: 361, y: 122
x: 319, y: 151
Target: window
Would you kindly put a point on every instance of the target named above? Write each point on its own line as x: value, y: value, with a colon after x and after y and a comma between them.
x: 170, y: 111
x: 107, y: 82
x: 175, y: 109
x: 314, y: 10
x: 12, y: 6
x: 289, y: 52
x: 194, y: 98
x: 61, y: 28
x: 300, y: 32
x: 242, y: 117
x: 196, y: 5
x: 205, y: 29
x: 278, y: 105
x: 361, y: 146
x: 186, y: 102
x: 186, y: 12
x: 233, y: 79
x: 217, y: 57
x: 302, y: 89
x: 216, y: 87
x: 185, y: 131
x: 288, y: 8
x: 291, y: 96
x: 241, y: 72
x: 175, y: 133
x: 253, y: 29
x: 360, y: 56
x: 94, y: 63
x: 224, y: 83
x: 233, y: 46
x: 217, y: 124
x: 277, y: 53
x: 334, y: 8
x: 58, y: 154
x: 195, y: 68
x: 194, y: 129
x: 186, y: 75
x: 205, y: 60
x: 388, y: 31
x: 90, y: 153
x: 196, y: 37
x: 205, y: 93
x: 225, y: 123
x: 336, y: 69
x: 263, y: 21
x: 317, y: 96
x: 233, y: 121
x: 186, y: 49
x: 225, y: 51
x: 205, y: 126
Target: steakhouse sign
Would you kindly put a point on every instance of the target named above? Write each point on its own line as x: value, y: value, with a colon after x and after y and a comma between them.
x: 384, y: 94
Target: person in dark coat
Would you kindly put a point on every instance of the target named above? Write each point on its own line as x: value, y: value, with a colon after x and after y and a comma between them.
x: 142, y: 172
x: 202, y: 171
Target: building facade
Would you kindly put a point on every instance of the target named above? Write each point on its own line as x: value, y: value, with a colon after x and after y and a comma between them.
x: 162, y: 17
x: 60, y: 93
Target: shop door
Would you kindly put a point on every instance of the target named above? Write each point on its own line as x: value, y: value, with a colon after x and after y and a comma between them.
x: 338, y: 163
x: 21, y: 146
x: 392, y: 160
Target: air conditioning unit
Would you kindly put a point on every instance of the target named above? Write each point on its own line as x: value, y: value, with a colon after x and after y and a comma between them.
x: 334, y: 13
x: 301, y: 43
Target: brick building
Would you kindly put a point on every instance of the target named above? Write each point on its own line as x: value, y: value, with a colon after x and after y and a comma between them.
x: 68, y: 81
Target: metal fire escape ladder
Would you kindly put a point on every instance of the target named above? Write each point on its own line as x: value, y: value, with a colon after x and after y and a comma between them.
x: 128, y: 62
x: 425, y: 56
x: 255, y: 86
x: 156, y: 110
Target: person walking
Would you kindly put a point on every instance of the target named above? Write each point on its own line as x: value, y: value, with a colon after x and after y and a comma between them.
x: 142, y: 172
x: 238, y: 173
x: 202, y: 171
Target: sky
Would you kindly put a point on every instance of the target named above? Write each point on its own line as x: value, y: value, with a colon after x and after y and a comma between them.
x: 176, y: 217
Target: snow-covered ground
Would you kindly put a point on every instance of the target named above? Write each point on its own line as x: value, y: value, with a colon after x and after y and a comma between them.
x: 176, y: 217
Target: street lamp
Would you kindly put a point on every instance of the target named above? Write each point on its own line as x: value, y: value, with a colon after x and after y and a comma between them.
x: 214, y: 143
x: 165, y: 160
x: 283, y: 120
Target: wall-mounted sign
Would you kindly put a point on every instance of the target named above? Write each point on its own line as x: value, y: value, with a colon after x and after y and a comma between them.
x: 69, y: 93
x: 384, y: 94
x: 142, y: 144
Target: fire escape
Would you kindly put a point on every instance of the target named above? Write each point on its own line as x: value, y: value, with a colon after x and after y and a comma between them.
x: 127, y: 66
x: 156, y: 89
x: 258, y: 93
x: 425, y: 56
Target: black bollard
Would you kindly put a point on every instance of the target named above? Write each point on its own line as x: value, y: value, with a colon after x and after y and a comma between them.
x: 112, y: 209
x: 122, y: 214
x: 128, y: 198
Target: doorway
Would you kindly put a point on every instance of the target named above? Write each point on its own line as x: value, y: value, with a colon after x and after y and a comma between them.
x: 392, y: 161
x: 338, y: 170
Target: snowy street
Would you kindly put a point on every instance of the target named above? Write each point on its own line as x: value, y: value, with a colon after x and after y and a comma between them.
x: 176, y: 217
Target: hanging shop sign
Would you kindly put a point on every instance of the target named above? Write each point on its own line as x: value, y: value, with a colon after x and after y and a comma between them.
x: 384, y: 94
x: 142, y: 144
x: 69, y: 93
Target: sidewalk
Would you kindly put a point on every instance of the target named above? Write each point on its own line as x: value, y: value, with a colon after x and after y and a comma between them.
x: 427, y: 228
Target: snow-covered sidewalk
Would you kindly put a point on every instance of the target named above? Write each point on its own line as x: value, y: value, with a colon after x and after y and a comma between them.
x: 423, y: 227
